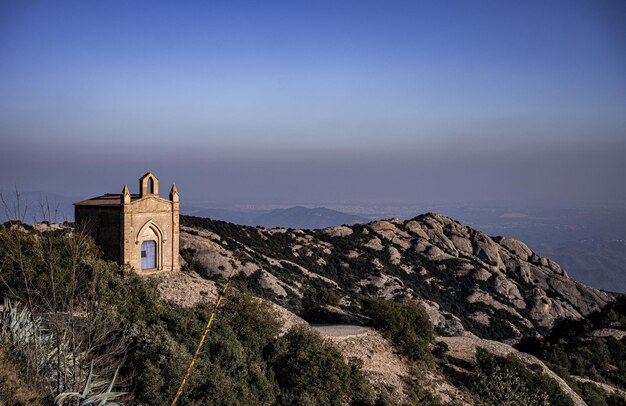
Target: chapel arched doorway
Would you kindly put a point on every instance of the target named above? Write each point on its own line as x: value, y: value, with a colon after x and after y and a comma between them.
x: 148, y: 254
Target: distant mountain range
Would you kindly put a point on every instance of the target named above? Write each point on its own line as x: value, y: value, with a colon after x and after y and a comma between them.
x: 37, y: 206
x: 293, y: 217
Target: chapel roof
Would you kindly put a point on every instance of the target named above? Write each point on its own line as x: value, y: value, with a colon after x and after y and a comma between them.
x: 107, y: 199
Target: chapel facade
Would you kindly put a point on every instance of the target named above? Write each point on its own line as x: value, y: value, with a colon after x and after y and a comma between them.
x: 137, y: 230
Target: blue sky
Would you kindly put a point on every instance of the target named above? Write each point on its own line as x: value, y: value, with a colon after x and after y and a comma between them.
x: 219, y: 93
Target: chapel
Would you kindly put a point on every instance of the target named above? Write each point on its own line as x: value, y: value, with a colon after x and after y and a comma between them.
x: 140, y: 231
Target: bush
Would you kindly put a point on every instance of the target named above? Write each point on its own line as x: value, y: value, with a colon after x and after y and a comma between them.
x: 440, y: 349
x: 405, y: 323
x: 311, y: 372
x: 314, y: 298
x: 232, y: 369
x: 593, y: 395
x: 507, y: 381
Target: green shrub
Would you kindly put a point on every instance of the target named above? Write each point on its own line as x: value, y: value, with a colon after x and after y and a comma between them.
x: 507, y: 381
x: 404, y: 323
x: 440, y: 349
x: 314, y: 298
x: 311, y: 372
x: 593, y: 395
x: 232, y: 368
x: 63, y: 286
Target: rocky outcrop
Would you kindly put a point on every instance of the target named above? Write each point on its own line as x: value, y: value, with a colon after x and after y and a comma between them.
x: 444, y: 323
x: 184, y: 289
x: 493, y: 287
x: 339, y: 231
x: 382, y: 366
x: 374, y: 244
x: 533, y: 289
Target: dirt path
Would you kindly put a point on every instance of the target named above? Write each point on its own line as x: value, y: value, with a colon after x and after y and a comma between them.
x: 340, y: 331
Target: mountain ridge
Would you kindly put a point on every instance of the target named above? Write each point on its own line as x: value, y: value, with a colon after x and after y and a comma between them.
x: 494, y: 287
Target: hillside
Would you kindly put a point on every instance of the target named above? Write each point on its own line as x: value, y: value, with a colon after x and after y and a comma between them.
x: 590, y: 351
x: 77, y: 329
x: 258, y: 352
x: 496, y: 288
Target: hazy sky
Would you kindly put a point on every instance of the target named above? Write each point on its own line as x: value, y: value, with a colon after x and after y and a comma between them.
x: 317, y: 101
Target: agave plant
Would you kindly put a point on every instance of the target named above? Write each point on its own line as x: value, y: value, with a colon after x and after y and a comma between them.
x: 54, y: 358
x: 18, y: 325
x: 93, y: 393
x: 60, y: 358
x: 24, y: 332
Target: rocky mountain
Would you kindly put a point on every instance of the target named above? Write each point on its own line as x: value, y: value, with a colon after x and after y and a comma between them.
x: 589, y: 242
x: 468, y: 282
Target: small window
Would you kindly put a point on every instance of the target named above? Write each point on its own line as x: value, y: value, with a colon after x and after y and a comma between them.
x: 150, y: 186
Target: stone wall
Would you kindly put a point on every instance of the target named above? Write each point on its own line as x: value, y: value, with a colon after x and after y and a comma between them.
x: 151, y: 218
x: 103, y: 224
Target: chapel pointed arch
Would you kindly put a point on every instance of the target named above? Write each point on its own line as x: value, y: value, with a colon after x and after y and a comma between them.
x: 158, y: 231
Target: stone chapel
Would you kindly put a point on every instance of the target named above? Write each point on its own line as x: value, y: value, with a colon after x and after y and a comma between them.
x: 137, y: 230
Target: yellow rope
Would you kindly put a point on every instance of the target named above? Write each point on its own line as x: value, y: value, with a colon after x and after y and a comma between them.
x: 206, y: 331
